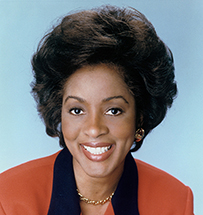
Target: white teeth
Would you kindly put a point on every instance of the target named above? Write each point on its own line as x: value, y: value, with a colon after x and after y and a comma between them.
x: 97, y: 150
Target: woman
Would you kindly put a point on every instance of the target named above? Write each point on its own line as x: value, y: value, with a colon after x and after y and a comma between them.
x: 103, y: 81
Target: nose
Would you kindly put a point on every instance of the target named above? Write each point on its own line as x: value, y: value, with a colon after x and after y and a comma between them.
x: 95, y: 126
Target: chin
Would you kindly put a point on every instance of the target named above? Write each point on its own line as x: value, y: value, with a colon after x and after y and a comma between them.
x: 97, y: 171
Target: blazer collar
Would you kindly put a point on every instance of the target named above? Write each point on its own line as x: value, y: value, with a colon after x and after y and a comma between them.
x: 65, y: 200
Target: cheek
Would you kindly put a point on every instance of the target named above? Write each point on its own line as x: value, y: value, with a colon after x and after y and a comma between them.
x: 125, y: 131
x: 69, y: 130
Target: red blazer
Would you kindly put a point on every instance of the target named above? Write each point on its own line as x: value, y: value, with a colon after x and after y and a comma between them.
x: 27, y: 189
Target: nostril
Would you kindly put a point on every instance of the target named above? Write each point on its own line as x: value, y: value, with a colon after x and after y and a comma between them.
x: 95, y: 129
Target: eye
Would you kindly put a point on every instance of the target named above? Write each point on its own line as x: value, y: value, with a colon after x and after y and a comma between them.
x: 76, y: 111
x: 114, y: 111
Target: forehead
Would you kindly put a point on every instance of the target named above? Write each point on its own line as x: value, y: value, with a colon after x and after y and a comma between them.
x: 97, y: 77
x: 96, y: 86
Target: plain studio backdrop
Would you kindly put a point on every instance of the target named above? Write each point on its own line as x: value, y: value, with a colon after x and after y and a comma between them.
x: 175, y: 146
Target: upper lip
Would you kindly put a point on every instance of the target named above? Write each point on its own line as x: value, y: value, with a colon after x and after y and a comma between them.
x: 96, y: 144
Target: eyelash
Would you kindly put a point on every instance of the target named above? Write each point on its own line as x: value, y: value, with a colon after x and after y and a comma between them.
x: 115, y: 109
x: 75, y: 109
x: 119, y: 111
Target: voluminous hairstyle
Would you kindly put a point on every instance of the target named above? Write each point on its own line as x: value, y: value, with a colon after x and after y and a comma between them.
x: 122, y: 37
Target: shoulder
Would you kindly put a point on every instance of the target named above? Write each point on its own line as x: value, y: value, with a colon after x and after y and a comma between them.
x: 162, y: 192
x: 28, y: 182
x: 150, y: 174
x: 28, y: 169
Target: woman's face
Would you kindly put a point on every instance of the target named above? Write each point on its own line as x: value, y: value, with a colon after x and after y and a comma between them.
x: 98, y: 120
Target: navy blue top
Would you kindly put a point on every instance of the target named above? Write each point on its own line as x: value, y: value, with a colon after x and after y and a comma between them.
x: 65, y: 200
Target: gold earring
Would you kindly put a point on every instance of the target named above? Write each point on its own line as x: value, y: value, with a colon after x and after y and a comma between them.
x: 139, y: 134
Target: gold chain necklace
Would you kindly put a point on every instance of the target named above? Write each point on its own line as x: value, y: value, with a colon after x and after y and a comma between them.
x: 86, y: 200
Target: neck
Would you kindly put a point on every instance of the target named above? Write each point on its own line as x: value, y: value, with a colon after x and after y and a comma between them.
x: 96, y: 188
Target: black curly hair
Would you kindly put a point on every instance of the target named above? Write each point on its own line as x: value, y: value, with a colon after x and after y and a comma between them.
x: 111, y: 35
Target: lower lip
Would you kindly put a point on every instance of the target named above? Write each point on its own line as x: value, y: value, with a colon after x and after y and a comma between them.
x: 99, y: 157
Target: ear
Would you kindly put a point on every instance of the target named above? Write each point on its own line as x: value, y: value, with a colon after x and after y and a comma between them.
x: 139, y: 134
x: 139, y: 120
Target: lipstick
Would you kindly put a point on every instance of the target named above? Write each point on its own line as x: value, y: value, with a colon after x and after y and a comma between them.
x: 97, y: 152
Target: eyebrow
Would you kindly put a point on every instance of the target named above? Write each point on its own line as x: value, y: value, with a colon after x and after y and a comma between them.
x: 104, y: 100
x: 74, y: 97
x: 115, y: 97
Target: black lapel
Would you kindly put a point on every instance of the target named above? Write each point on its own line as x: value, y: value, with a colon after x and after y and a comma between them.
x: 64, y: 200
x: 125, y: 199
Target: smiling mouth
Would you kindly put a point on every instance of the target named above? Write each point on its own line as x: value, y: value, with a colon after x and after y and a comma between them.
x: 97, y: 150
